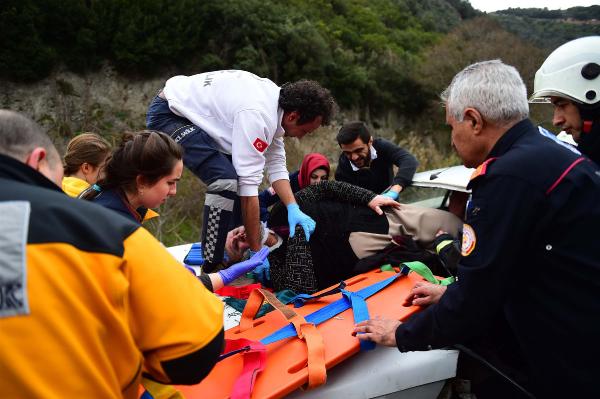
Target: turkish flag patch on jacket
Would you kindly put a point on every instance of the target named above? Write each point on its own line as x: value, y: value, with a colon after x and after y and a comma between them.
x: 260, y: 145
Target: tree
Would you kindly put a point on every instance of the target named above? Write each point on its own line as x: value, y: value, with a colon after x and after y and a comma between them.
x: 23, y: 53
x: 476, y: 40
x: 151, y: 34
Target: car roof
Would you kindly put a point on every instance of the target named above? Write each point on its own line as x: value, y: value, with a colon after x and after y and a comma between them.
x: 451, y: 178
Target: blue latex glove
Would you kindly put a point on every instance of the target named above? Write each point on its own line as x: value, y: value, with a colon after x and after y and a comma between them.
x: 262, y: 273
x: 234, y: 271
x: 296, y: 216
x: 392, y: 194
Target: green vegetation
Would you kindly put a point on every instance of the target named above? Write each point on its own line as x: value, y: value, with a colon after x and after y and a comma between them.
x: 576, y: 13
x: 385, y: 61
x: 549, y: 29
x: 363, y: 50
x: 477, y: 39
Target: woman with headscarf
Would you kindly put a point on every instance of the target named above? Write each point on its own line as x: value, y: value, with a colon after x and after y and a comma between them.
x: 313, y: 170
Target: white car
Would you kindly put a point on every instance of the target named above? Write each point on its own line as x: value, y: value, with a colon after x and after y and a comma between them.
x: 433, y: 187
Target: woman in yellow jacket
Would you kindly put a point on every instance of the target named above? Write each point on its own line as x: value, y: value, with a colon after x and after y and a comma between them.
x: 84, y: 162
x: 142, y: 173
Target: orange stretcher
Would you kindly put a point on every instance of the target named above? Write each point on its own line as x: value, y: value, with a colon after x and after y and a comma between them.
x: 286, y: 360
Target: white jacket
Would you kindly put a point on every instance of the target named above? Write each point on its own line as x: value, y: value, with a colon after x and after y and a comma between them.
x: 240, y: 111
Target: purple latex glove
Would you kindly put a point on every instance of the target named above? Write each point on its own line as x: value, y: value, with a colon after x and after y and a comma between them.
x: 238, y: 269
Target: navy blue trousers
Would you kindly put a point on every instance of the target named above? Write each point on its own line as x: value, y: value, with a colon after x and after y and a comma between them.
x: 214, y: 168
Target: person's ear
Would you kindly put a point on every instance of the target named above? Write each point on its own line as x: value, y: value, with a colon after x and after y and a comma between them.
x: 474, y: 118
x: 140, y: 183
x: 292, y: 116
x: 370, y: 141
x: 86, y: 168
x: 35, y: 158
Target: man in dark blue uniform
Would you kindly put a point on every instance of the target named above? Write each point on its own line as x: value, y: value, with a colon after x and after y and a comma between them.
x: 530, y: 248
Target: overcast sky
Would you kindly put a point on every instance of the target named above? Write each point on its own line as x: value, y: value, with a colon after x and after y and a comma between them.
x: 494, y: 5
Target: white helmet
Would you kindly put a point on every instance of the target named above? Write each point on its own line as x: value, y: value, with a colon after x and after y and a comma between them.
x: 572, y: 71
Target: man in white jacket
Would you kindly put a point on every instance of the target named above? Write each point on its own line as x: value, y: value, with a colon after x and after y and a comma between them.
x: 231, y: 125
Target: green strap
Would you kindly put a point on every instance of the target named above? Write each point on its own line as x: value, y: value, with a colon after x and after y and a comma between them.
x: 422, y: 270
x: 387, y: 268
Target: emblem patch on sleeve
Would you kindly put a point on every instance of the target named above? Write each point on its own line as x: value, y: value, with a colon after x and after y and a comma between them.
x: 468, y: 240
x: 260, y: 145
x: 13, y: 258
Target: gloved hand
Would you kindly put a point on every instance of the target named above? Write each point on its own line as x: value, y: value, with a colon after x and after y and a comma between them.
x: 234, y: 271
x: 391, y: 194
x: 296, y: 216
x: 449, y: 251
x: 262, y: 273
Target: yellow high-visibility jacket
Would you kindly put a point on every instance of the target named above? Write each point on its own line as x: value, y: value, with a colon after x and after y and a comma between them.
x: 90, y: 300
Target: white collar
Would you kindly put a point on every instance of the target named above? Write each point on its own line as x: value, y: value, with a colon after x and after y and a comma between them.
x: 373, y: 157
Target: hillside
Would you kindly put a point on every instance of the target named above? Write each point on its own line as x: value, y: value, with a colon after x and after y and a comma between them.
x: 386, y: 61
x: 549, y: 29
x: 364, y: 51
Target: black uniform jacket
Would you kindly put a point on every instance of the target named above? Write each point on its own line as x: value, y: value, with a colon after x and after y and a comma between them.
x: 534, y: 255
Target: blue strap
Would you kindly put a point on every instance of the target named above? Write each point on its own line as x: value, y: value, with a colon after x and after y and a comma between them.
x: 301, y: 299
x: 361, y: 313
x: 194, y: 256
x: 329, y: 311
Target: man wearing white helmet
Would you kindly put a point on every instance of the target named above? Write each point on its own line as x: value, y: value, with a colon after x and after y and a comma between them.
x: 570, y: 80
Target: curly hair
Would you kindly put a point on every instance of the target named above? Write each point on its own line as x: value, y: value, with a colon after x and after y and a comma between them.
x: 309, y: 99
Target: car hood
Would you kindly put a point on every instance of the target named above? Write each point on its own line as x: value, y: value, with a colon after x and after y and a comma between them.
x: 451, y: 178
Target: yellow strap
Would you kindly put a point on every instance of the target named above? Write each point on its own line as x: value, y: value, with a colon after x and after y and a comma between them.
x: 441, y: 245
x: 161, y: 391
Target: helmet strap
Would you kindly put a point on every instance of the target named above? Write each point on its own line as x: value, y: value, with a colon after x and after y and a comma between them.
x: 589, y: 143
x: 589, y: 113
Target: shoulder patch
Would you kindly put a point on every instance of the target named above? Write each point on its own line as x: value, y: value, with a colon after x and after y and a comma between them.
x: 259, y: 145
x: 468, y: 240
x: 482, y: 169
x: 13, y: 258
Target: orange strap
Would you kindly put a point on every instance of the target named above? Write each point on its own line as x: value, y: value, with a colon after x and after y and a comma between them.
x: 317, y: 373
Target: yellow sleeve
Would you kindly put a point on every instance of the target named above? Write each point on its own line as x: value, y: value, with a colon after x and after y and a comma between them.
x: 73, y: 186
x: 172, y: 313
x: 150, y: 214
